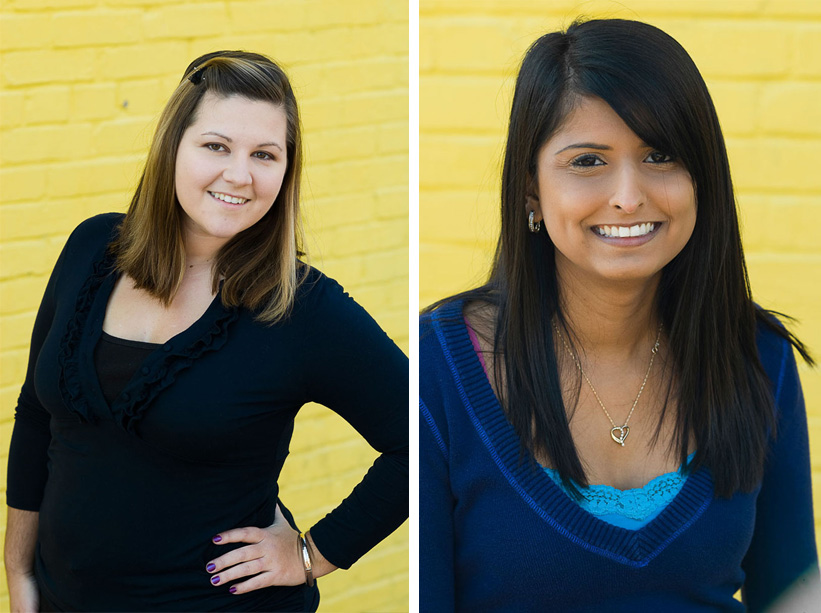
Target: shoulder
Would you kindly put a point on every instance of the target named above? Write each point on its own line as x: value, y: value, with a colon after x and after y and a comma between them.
x: 91, y: 238
x: 98, y: 229
x: 319, y: 292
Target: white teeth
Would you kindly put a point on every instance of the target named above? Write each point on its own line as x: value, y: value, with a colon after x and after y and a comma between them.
x: 625, y: 231
x: 227, y: 198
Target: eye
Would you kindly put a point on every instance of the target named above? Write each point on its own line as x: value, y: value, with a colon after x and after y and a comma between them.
x: 216, y: 147
x: 263, y: 155
x: 657, y: 157
x: 587, y: 160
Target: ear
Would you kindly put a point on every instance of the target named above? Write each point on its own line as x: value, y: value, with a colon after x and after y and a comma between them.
x: 532, y: 202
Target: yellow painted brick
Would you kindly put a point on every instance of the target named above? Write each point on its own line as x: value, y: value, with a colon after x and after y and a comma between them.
x: 259, y: 16
x: 26, y: 31
x: 47, y: 105
x: 358, y: 175
x: 736, y: 105
x: 36, y: 144
x: 20, y: 258
x: 11, y: 109
x: 92, y: 176
x: 472, y: 45
x: 455, y: 161
x: 329, y: 14
x: 37, y: 220
x: 791, y: 8
x: 700, y: 8
x: 773, y: 163
x: 143, y: 60
x: 339, y: 210
x: 21, y: 294
x: 367, y: 74
x: 47, y: 66
x: 141, y: 97
x: 466, y: 268
x: 392, y: 202
x: 807, y: 59
x: 6, y: 428
x: 15, y: 330
x: 38, y: 5
x: 392, y: 138
x: 347, y: 240
x: 121, y: 136
x: 343, y: 144
x: 792, y: 108
x: 195, y: 19
x: 779, y: 223
x: 387, y: 265
x: 21, y: 183
x: 99, y: 27
x: 738, y: 49
x: 13, y: 368
x: 461, y: 103
x: 93, y: 101
x: 780, y: 281
x: 454, y: 217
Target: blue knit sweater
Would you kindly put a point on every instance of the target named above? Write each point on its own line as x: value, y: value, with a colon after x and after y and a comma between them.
x: 497, y: 534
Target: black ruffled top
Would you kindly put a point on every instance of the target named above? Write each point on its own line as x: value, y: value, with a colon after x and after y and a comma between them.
x: 131, y: 492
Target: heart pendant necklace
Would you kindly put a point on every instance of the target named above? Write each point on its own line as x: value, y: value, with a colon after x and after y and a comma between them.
x: 617, y: 433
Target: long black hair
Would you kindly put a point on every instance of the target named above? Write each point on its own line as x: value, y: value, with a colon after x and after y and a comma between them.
x: 704, y: 299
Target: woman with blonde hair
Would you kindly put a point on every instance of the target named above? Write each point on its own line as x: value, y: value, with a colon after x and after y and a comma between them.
x: 171, y: 352
x: 610, y: 423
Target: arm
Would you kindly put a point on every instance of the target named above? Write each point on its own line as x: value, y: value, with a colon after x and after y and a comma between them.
x: 21, y: 538
x: 351, y: 366
x: 436, y: 539
x: 782, y: 553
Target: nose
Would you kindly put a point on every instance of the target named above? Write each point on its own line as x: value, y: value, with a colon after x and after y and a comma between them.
x: 237, y: 171
x: 628, y: 191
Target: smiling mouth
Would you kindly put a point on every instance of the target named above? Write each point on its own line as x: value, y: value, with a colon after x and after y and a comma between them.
x: 640, y: 229
x: 228, y: 198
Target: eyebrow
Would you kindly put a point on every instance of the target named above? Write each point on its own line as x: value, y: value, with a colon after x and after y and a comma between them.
x: 585, y: 146
x: 272, y: 144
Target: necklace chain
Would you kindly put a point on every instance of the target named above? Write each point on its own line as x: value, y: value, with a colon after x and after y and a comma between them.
x: 623, y: 430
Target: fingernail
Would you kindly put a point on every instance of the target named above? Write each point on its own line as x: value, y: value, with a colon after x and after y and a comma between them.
x: 217, y: 539
x: 215, y: 580
x: 233, y: 590
x: 210, y: 568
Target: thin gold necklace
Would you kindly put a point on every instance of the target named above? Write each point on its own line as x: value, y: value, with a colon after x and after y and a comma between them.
x: 617, y: 433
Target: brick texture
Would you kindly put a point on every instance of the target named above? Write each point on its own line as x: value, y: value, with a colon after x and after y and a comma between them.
x: 762, y: 62
x: 82, y: 83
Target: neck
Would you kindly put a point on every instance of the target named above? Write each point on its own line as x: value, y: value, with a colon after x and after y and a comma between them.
x: 606, y: 317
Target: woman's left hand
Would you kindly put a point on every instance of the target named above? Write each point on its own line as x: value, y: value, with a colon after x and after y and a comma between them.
x: 273, y: 557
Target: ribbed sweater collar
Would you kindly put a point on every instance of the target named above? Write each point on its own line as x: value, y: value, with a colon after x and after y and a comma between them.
x: 630, y: 547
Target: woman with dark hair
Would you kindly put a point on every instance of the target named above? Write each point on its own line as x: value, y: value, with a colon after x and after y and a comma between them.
x: 610, y: 423
x: 171, y: 352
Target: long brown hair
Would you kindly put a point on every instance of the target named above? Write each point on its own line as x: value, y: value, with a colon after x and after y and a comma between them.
x: 259, y: 265
x: 704, y: 298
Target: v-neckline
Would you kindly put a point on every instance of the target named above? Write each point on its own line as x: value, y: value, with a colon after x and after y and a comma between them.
x: 80, y: 383
x: 630, y: 547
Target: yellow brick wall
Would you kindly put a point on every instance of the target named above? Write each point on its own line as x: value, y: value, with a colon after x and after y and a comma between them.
x: 762, y: 62
x: 81, y: 85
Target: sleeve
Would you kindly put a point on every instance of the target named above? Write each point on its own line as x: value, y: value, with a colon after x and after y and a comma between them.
x: 782, y: 555
x: 436, y: 539
x: 357, y: 371
x: 28, y: 452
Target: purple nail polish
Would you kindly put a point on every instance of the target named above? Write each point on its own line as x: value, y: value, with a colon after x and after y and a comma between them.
x: 217, y: 539
x: 210, y: 568
x: 233, y: 590
x: 215, y: 580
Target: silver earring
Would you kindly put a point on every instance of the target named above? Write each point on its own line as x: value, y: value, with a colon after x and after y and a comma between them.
x: 533, y: 227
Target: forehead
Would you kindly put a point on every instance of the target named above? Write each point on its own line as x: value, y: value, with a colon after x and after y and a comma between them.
x: 592, y: 120
x: 236, y: 116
